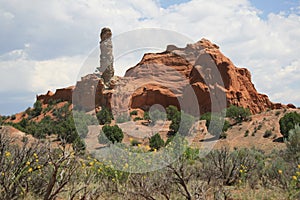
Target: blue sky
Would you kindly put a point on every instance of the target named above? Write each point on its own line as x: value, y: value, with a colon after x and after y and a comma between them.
x: 44, y: 43
x: 266, y: 6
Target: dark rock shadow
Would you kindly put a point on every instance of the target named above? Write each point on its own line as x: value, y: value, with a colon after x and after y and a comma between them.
x: 280, y: 140
x: 210, y: 139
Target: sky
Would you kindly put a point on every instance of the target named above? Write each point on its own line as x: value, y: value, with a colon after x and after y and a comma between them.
x: 43, y: 44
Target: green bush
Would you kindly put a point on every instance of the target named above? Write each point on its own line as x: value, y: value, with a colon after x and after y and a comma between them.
x: 293, y: 143
x: 175, y: 117
x: 104, y: 116
x: 239, y: 114
x: 180, y: 122
x: 156, y: 142
x: 122, y: 118
x: 157, y: 115
x: 37, y: 109
x: 13, y: 117
x: 134, y: 112
x: 172, y: 111
x: 214, y: 123
x: 102, y: 139
x: 113, y: 133
x: 267, y: 134
x: 146, y: 116
x: 137, y: 119
x: 288, y: 122
x: 135, y: 143
x: 246, y: 133
x: 259, y: 127
x: 186, y: 123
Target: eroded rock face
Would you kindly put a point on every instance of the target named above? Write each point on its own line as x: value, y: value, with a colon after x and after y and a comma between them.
x: 207, y: 70
x: 63, y: 94
x: 190, y: 78
x: 89, y: 93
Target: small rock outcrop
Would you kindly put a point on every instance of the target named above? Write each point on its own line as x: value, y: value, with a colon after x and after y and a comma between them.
x: 63, y: 94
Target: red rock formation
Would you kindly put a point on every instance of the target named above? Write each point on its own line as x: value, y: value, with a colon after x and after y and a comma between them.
x: 151, y: 94
x: 191, y: 78
x: 201, y: 64
x: 63, y: 94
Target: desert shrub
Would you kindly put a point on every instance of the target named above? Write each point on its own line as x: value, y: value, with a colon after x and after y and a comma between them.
x: 102, y: 139
x: 157, y: 115
x: 246, y: 133
x: 172, y: 111
x: 230, y: 166
x: 113, y: 133
x: 288, y: 122
x: 122, y: 118
x: 239, y: 114
x: 13, y: 117
x: 180, y: 121
x: 214, y: 123
x: 104, y: 116
x: 223, y: 135
x: 259, y: 127
x: 186, y: 123
x: 53, y: 102
x: 156, y: 142
x: 37, y: 109
x: 82, y: 121
x: 267, y: 134
x: 277, y: 113
x: 293, y: 144
x: 134, y: 112
x: 137, y: 119
x: 134, y: 143
x: 146, y: 116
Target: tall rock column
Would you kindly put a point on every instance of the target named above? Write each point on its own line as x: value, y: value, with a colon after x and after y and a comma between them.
x: 106, y: 56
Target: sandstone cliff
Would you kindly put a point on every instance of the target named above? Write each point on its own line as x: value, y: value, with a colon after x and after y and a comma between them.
x: 199, y: 71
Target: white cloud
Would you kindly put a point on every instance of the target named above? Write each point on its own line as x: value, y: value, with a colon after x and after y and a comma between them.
x: 43, y: 43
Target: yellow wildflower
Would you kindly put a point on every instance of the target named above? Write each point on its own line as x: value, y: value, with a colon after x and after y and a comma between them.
x: 27, y: 163
x: 39, y: 167
x: 280, y: 171
x: 241, y: 171
x: 2, y: 173
x: 7, y: 154
x: 30, y: 169
x: 36, y: 160
x: 91, y: 163
x: 294, y: 177
x: 298, y: 173
x: 35, y: 155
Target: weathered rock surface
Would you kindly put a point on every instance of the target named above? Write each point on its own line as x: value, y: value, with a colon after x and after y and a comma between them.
x: 199, y: 72
x: 206, y: 69
x: 63, y: 94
